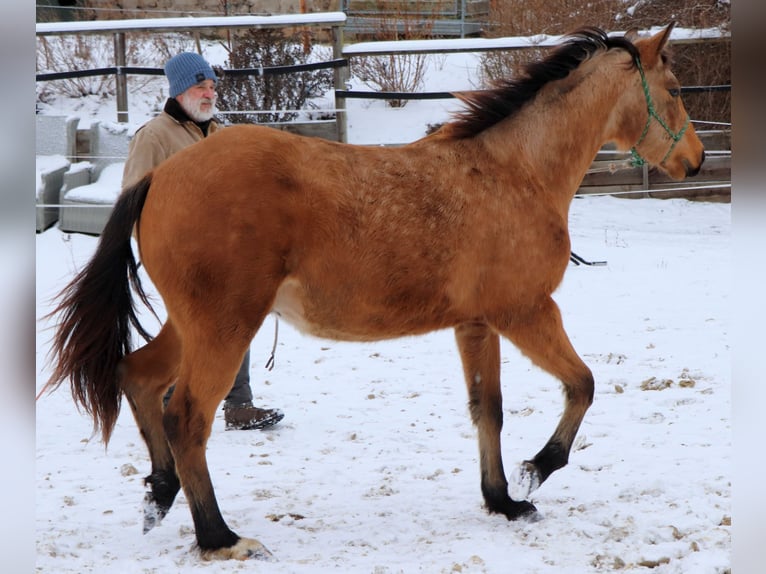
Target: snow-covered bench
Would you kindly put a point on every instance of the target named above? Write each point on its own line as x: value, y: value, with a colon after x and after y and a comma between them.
x: 91, y: 187
x: 55, y: 146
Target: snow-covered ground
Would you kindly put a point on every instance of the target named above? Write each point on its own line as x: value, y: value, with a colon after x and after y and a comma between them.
x: 375, y: 467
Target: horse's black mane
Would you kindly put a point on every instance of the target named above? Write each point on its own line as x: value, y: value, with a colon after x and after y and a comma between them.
x: 487, y: 107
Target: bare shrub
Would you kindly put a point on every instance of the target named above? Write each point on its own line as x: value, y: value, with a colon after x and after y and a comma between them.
x: 537, y: 17
x: 705, y: 64
x: 701, y: 64
x: 278, y: 95
x: 154, y: 50
x: 76, y: 52
x: 392, y: 73
x: 89, y: 52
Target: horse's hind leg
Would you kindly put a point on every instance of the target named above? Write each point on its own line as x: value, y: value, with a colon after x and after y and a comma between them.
x: 145, y: 376
x: 209, y: 363
x: 540, y: 335
x: 480, y: 352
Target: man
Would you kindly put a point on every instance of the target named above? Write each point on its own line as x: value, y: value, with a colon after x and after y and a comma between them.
x: 186, y: 119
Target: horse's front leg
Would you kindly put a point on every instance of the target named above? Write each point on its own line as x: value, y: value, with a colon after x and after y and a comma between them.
x: 480, y: 352
x: 539, y: 334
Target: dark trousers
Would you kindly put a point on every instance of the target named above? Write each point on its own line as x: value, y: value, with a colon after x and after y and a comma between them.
x: 241, y: 391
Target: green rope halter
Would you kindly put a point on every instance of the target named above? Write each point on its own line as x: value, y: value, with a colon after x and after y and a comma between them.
x: 637, y: 160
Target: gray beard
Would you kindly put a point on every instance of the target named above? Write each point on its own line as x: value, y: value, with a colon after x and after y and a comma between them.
x: 196, y: 114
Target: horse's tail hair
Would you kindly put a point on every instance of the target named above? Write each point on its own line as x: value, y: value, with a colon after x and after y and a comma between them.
x: 97, y: 312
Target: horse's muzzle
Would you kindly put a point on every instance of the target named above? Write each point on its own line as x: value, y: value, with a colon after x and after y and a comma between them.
x: 692, y: 170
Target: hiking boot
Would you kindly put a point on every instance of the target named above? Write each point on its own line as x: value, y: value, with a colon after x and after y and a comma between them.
x: 247, y: 417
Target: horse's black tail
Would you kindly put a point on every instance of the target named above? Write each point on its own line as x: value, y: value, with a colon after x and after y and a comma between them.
x: 97, y: 312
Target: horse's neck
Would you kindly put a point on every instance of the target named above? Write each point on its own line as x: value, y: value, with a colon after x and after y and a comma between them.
x: 559, y: 133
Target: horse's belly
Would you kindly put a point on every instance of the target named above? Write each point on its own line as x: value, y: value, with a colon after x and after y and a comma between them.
x: 291, y: 305
x: 347, y: 319
x: 288, y: 304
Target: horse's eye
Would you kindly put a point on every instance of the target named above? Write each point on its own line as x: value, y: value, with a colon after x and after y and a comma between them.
x: 675, y: 92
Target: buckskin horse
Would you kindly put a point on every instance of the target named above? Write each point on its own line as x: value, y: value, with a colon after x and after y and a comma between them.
x: 464, y: 229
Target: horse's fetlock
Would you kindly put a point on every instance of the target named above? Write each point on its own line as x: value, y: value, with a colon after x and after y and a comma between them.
x: 163, y: 486
x: 552, y: 457
x: 216, y: 539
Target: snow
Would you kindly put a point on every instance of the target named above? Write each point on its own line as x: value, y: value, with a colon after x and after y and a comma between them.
x: 104, y: 190
x: 450, y: 44
x: 511, y: 42
x: 186, y: 23
x: 375, y: 466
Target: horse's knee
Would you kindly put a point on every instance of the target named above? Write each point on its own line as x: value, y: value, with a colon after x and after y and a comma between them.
x: 580, y: 389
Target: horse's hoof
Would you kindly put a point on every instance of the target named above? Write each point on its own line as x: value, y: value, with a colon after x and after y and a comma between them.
x: 163, y: 487
x: 519, y: 509
x: 527, y: 511
x: 524, y: 480
x: 153, y: 512
x: 244, y: 549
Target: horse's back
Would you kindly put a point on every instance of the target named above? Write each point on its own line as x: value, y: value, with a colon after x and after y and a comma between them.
x: 244, y: 185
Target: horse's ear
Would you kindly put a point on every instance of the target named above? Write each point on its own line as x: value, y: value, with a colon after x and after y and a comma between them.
x: 652, y: 51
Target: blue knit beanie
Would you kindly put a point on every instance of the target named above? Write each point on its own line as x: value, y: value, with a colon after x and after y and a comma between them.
x: 185, y: 70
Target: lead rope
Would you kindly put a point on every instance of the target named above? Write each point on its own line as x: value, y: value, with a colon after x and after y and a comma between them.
x: 638, y: 160
x: 270, y: 362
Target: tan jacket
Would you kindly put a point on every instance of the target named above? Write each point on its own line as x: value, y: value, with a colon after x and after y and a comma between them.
x: 157, y: 140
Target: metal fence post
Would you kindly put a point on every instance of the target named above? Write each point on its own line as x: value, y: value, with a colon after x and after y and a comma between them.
x: 462, y: 19
x: 340, y: 77
x: 120, y: 78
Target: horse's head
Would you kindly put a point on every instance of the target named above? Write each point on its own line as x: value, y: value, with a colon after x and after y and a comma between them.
x: 663, y: 134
